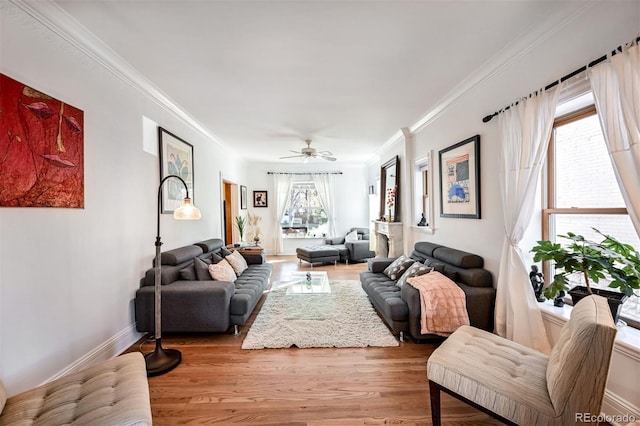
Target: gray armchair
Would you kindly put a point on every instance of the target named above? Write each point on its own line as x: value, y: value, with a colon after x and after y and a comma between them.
x: 352, y: 251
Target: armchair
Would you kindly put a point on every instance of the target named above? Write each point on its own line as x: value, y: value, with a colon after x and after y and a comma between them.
x: 352, y: 251
x: 520, y: 386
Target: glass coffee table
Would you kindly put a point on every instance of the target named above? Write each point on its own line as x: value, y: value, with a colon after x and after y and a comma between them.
x: 298, y: 283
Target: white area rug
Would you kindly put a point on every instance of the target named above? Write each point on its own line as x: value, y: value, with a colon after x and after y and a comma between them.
x: 342, y: 319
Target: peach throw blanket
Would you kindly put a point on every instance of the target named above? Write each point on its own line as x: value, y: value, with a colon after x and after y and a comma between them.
x: 442, y: 302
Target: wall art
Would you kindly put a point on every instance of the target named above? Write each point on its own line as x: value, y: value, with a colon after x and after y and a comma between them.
x: 460, y: 179
x: 243, y: 197
x: 176, y: 158
x: 260, y: 199
x: 41, y: 149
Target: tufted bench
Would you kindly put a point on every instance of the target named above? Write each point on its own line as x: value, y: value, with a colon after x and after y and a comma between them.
x: 114, y: 392
x: 318, y: 254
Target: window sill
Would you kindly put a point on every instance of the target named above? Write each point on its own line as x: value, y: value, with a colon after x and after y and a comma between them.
x: 423, y: 229
x: 627, y: 339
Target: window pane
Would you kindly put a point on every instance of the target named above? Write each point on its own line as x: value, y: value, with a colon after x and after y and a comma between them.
x: 618, y: 226
x: 304, y: 215
x: 584, y: 174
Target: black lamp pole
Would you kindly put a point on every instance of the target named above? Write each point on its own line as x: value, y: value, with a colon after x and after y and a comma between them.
x: 162, y: 360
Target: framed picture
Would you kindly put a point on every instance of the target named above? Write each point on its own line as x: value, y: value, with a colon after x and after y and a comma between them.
x: 260, y: 199
x: 460, y: 179
x: 41, y: 150
x: 176, y: 158
x: 243, y: 197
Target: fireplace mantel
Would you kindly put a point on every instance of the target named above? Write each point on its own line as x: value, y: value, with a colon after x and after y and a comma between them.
x: 388, y: 238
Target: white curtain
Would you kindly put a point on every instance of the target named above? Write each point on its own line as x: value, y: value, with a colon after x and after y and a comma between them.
x: 282, y: 186
x: 616, y: 89
x: 325, y: 185
x: 525, y: 130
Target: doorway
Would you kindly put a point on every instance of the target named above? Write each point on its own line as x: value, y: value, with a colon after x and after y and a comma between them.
x: 229, y: 211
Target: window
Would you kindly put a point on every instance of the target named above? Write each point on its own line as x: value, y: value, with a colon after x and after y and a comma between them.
x: 422, y: 190
x: 304, y: 215
x: 582, y: 191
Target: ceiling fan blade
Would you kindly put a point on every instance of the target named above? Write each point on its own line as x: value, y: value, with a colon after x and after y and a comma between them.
x: 295, y: 152
x: 293, y: 156
x: 328, y: 158
x: 325, y: 153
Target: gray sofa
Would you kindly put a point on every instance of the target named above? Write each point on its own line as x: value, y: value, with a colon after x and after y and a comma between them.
x: 191, y: 300
x: 399, y: 307
x: 352, y: 251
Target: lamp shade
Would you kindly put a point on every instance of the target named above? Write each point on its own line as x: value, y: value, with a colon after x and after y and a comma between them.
x: 187, y: 211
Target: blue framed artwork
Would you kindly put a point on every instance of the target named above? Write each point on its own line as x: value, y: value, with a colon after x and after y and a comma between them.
x: 460, y: 179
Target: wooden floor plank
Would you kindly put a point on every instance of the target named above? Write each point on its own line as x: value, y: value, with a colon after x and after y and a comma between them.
x: 220, y: 383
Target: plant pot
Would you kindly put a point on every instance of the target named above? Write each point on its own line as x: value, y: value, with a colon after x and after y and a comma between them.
x: 614, y: 298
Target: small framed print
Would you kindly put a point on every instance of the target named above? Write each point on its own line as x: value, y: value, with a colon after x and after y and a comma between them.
x: 260, y: 199
x: 243, y: 197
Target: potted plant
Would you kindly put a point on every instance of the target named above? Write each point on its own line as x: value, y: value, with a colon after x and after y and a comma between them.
x: 240, y: 223
x: 609, y: 259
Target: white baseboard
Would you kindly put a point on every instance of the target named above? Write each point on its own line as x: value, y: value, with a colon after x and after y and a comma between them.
x: 109, y: 349
x: 618, y: 410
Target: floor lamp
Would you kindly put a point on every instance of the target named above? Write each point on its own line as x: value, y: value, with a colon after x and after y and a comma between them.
x: 163, y: 360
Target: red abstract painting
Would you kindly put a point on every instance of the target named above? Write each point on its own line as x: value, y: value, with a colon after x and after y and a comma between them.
x: 41, y: 149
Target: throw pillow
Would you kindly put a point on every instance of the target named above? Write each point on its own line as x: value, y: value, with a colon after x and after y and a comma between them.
x: 188, y: 273
x: 438, y: 267
x: 202, y: 269
x: 215, y: 258
x: 351, y: 236
x: 237, y: 262
x: 222, y: 271
x: 224, y: 252
x: 398, y: 266
x: 414, y: 270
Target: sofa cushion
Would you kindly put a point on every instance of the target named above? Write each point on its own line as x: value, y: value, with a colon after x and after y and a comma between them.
x: 188, y: 273
x: 179, y: 255
x: 210, y: 245
x: 222, y: 271
x: 438, y: 267
x: 458, y: 258
x: 237, y: 262
x: 415, y: 270
x: 202, y: 269
x: 351, y: 236
x: 397, y: 267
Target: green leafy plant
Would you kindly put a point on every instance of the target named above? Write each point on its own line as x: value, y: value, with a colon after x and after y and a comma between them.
x: 608, y: 259
x: 240, y: 224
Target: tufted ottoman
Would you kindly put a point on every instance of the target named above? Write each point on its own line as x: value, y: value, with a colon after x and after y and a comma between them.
x: 318, y: 254
x: 114, y: 392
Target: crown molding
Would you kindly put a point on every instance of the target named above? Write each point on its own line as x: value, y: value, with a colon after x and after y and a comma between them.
x: 66, y: 27
x: 492, y: 67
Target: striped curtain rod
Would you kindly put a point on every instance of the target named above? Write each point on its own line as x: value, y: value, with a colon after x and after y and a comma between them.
x: 593, y: 63
x: 303, y: 173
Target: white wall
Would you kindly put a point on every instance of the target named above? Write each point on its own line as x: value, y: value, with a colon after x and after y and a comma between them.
x: 582, y: 39
x: 352, y: 208
x: 68, y: 276
x: 588, y: 36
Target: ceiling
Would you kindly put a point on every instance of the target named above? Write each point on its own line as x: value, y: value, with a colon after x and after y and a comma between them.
x: 262, y: 76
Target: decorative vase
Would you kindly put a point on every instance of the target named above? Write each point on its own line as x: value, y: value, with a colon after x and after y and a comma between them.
x: 389, y: 219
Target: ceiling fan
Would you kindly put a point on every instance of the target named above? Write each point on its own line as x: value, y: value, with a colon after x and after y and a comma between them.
x: 309, y: 152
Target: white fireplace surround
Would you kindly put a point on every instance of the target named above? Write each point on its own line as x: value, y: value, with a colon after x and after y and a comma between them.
x: 388, y: 238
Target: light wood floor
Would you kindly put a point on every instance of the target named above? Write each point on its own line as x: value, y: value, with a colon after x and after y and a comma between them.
x: 218, y: 382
